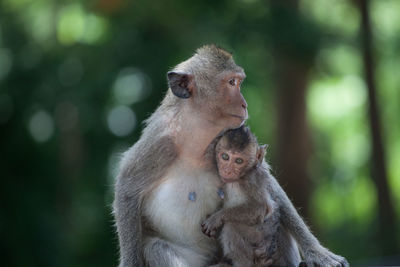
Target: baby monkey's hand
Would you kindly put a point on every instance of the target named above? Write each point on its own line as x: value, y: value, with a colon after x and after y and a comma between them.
x: 212, y: 224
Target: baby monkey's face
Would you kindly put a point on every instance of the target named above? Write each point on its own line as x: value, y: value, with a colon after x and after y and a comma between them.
x: 233, y: 164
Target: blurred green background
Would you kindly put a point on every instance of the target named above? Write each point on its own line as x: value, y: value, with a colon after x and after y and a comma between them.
x: 77, y: 78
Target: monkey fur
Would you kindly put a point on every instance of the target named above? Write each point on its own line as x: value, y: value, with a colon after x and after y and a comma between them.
x: 166, y: 184
x: 157, y: 222
x: 249, y: 217
x: 252, y: 214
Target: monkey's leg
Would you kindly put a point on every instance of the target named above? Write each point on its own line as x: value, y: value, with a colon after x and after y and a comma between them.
x: 235, y: 243
x: 288, y: 252
x: 159, y: 252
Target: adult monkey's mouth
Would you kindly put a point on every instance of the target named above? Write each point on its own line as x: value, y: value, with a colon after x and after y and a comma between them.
x: 238, y: 116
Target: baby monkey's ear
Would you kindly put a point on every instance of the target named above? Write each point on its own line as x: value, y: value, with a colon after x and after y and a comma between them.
x: 261, y: 153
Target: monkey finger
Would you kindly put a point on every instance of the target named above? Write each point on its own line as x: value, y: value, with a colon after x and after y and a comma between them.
x: 343, y: 262
x: 266, y: 262
x: 213, y: 233
x: 258, y: 252
x: 204, y: 230
x: 208, y: 232
x: 263, y: 262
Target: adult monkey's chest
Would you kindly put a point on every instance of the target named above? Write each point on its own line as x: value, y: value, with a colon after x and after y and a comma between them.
x: 178, y: 205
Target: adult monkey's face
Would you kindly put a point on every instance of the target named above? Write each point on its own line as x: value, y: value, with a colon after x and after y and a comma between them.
x: 209, y: 82
x: 230, y: 103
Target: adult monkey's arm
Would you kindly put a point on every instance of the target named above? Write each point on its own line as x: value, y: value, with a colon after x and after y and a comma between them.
x: 313, y: 252
x: 141, y: 167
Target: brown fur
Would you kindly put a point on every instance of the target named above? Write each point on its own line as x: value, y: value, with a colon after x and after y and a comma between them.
x: 157, y: 224
x: 244, y: 222
x: 173, y: 143
x: 246, y: 202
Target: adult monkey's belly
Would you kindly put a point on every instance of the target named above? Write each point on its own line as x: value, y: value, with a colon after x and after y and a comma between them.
x: 178, y: 205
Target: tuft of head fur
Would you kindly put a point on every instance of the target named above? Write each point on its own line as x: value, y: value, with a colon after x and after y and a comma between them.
x: 208, y: 59
x: 239, y: 138
x: 213, y: 51
x: 217, y: 57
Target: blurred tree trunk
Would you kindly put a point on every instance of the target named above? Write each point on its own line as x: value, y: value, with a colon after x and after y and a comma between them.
x: 387, y: 218
x: 293, y: 135
x: 295, y: 43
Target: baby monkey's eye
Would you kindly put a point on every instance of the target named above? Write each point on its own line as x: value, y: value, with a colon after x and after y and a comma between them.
x: 224, y: 156
x: 239, y: 160
x: 232, y: 81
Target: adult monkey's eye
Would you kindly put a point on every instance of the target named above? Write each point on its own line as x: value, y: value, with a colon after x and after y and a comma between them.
x: 224, y: 156
x: 232, y: 81
x: 239, y: 160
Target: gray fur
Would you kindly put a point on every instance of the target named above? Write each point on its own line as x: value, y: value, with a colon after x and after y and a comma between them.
x: 246, y: 202
x: 294, y: 227
x: 129, y: 192
x: 245, y: 223
x: 284, y: 232
x: 145, y: 165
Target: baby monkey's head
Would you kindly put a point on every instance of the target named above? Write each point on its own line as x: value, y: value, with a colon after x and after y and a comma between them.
x: 238, y: 152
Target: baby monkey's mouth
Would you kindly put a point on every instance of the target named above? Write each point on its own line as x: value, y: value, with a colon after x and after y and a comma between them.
x: 228, y: 180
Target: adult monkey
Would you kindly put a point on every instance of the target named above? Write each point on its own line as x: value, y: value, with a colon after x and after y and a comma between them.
x: 167, y: 186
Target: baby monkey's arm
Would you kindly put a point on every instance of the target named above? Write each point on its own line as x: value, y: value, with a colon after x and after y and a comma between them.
x: 249, y: 213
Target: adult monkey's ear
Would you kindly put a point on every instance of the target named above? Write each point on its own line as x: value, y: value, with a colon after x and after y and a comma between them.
x: 261, y: 154
x: 181, y: 84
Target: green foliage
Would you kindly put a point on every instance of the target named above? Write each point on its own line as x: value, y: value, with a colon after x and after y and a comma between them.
x: 77, y: 78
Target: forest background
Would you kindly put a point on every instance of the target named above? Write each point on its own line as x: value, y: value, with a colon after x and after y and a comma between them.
x: 77, y: 79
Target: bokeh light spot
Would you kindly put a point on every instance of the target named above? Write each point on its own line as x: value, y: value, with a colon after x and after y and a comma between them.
x: 40, y: 21
x: 41, y: 126
x: 95, y: 29
x: 121, y: 121
x: 71, y: 24
x: 131, y: 86
x: 339, y: 17
x: 76, y: 25
x: 331, y: 100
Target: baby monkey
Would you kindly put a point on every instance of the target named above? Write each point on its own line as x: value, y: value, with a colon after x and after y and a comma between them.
x: 246, y: 199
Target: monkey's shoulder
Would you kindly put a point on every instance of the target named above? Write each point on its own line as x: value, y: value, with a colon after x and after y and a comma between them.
x: 148, y: 158
x: 256, y: 185
x: 257, y: 178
